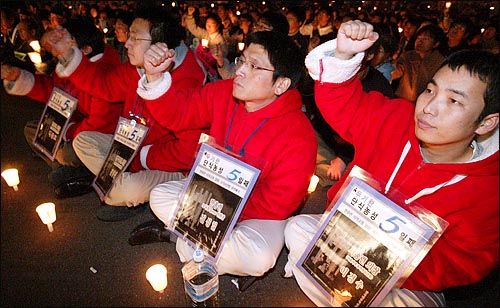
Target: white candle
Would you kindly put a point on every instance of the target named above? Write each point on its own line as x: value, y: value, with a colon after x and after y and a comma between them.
x: 241, y: 46
x: 47, y: 213
x: 204, y: 43
x: 11, y: 176
x: 35, y: 57
x: 35, y: 45
x: 313, y: 183
x: 157, y: 277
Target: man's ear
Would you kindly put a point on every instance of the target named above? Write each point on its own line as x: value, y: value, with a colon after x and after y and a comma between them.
x: 281, y: 85
x: 86, y: 50
x: 488, y: 124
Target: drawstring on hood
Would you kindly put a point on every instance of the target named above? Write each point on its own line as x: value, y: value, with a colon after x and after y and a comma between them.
x: 426, y: 191
x: 488, y: 145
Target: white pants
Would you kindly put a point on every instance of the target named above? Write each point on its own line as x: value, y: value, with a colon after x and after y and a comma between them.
x: 251, y: 249
x: 65, y: 155
x: 129, y: 189
x: 300, y: 230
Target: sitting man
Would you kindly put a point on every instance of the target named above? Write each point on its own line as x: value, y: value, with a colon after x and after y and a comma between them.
x: 70, y: 177
x: 257, y: 115
x: 441, y: 153
x: 164, y: 155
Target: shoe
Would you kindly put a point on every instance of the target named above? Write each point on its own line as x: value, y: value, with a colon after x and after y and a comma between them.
x: 118, y: 213
x: 149, y: 232
x: 66, y: 174
x: 74, y: 188
x: 244, y: 282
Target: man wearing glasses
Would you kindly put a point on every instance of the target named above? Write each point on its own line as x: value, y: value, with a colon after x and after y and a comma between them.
x: 257, y: 115
x: 164, y: 154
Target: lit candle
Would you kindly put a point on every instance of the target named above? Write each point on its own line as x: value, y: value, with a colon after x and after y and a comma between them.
x: 447, y: 5
x: 35, y: 45
x: 11, y: 176
x: 313, y: 183
x: 241, y: 46
x: 204, y: 43
x: 47, y: 213
x: 35, y: 57
x: 157, y: 277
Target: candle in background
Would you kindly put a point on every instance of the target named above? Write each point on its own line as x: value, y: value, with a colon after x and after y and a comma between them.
x: 35, y: 45
x: 47, y: 213
x: 204, y: 43
x: 241, y: 46
x: 313, y: 183
x: 447, y: 5
x: 157, y: 277
x: 11, y: 176
x: 35, y: 57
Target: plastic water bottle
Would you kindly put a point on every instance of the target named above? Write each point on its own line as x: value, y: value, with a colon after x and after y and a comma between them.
x: 201, y: 281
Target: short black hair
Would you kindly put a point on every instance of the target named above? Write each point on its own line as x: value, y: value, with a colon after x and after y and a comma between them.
x: 165, y: 26
x: 298, y: 12
x: 276, y: 20
x: 483, y: 65
x: 86, y: 34
x: 283, y: 53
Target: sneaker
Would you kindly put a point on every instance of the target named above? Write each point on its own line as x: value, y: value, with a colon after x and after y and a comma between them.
x: 118, y: 213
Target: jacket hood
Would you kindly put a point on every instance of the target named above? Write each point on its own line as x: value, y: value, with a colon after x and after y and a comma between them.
x: 484, y: 164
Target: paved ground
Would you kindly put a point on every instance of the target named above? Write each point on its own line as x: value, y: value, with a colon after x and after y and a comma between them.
x: 45, y: 269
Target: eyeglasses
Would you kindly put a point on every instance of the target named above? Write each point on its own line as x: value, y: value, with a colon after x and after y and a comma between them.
x: 133, y: 39
x: 239, y: 61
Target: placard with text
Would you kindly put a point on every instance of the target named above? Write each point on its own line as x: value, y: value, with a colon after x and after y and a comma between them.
x: 366, y: 245
x: 216, y: 190
x: 127, y: 140
x: 54, y: 122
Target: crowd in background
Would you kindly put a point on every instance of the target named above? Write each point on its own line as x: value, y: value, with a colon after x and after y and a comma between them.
x: 414, y: 38
x: 179, y: 92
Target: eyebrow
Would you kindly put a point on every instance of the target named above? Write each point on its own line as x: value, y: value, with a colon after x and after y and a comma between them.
x: 459, y: 92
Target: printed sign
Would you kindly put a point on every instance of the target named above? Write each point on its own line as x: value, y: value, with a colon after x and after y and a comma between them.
x: 128, y: 137
x: 54, y: 122
x: 215, y: 193
x: 365, y: 245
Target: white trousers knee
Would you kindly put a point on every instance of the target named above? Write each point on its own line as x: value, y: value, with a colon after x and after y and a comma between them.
x: 130, y: 188
x: 252, y: 248
x: 300, y: 230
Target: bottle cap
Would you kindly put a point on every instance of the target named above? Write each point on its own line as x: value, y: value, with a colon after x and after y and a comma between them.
x: 198, y: 255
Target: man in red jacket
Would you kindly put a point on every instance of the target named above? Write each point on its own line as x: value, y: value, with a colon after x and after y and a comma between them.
x: 164, y: 155
x: 441, y: 153
x: 258, y: 116
x: 92, y: 113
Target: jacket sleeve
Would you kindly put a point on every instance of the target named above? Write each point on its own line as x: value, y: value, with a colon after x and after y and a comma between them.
x: 108, y: 82
x: 174, y: 155
x: 102, y: 116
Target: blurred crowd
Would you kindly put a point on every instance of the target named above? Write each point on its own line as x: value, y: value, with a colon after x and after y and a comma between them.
x: 414, y: 38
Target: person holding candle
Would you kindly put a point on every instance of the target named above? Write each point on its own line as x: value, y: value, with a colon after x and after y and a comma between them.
x: 258, y: 116
x: 441, y: 153
x: 164, y: 154
x: 210, y: 38
x: 69, y: 177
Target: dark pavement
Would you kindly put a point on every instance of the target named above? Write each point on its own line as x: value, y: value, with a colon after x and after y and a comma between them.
x: 44, y: 269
